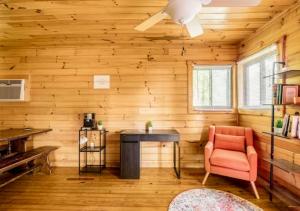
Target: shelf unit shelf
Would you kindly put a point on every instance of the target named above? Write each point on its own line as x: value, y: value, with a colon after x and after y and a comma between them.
x: 278, y: 135
x: 287, y: 139
x: 284, y: 165
x: 92, y: 149
x: 284, y: 74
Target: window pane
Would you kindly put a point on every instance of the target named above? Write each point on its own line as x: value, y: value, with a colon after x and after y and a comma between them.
x: 253, y: 85
x: 220, y: 87
x: 201, y: 88
x: 267, y: 90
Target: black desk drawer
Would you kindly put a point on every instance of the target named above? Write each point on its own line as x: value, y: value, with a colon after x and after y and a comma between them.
x: 159, y: 137
x: 130, y: 138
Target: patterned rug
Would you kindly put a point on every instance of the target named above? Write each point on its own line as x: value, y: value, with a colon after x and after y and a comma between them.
x: 210, y: 200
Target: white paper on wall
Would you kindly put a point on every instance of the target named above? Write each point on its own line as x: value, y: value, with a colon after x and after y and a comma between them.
x: 101, y: 81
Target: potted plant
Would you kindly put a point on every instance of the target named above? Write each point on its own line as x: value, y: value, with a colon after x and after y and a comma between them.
x: 149, y: 126
x: 100, y: 125
x: 278, y: 126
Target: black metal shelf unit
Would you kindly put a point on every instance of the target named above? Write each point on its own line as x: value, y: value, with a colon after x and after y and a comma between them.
x: 285, y: 165
x: 87, y: 150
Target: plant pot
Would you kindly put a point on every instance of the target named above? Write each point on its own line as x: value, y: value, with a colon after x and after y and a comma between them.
x: 150, y: 129
x: 100, y: 127
x: 277, y: 130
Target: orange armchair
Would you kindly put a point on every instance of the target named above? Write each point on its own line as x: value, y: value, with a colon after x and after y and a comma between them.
x: 230, y: 152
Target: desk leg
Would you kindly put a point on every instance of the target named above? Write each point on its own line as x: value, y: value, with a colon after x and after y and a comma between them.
x: 177, y: 170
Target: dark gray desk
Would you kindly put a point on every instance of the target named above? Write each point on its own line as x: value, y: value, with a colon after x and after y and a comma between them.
x: 130, y: 149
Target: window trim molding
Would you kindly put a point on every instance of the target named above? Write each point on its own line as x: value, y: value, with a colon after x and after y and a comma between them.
x: 233, y: 91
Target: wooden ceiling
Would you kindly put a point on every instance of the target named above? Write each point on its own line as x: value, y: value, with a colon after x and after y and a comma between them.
x: 74, y: 22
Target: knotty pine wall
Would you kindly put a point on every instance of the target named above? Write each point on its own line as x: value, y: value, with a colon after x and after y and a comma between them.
x: 148, y: 82
x: 285, y: 24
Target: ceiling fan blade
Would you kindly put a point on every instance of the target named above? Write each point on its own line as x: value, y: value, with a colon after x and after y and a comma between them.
x: 152, y: 21
x: 194, y: 27
x: 234, y: 3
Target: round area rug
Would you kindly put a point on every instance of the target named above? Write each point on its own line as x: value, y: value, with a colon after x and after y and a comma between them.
x: 210, y: 200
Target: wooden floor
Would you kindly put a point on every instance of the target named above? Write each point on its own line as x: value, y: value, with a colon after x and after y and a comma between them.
x: 65, y: 190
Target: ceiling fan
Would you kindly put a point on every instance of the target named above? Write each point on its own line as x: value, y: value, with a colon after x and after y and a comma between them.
x: 184, y: 12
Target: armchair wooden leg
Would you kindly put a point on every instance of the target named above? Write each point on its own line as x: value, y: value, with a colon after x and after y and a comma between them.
x: 254, y: 189
x: 205, y: 178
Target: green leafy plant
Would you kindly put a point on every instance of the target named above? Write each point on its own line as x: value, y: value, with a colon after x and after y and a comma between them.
x: 279, y: 123
x: 100, y: 122
x: 149, y: 124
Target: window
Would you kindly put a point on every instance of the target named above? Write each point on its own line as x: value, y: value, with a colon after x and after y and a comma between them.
x: 257, y: 89
x: 211, y: 87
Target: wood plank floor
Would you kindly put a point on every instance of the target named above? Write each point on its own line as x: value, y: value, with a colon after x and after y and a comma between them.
x: 65, y: 190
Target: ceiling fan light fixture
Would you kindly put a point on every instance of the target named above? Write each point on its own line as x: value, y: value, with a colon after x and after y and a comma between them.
x: 206, y: 2
x: 183, y: 12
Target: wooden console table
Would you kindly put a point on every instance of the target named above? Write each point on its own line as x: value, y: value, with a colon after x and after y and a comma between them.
x: 16, y: 138
x: 18, y: 157
x: 130, y: 149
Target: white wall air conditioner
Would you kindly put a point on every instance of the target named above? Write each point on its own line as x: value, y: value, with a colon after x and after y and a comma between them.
x: 12, y: 90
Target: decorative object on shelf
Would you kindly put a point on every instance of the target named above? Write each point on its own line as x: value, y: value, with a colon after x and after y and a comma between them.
x: 210, y: 199
x: 278, y: 126
x: 91, y: 149
x: 289, y: 93
x: 89, y: 121
x: 149, y: 126
x: 83, y: 139
x: 93, y: 141
x: 297, y: 100
x: 100, y: 125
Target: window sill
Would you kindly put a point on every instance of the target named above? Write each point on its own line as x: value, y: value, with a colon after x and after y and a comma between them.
x: 263, y: 108
x: 255, y: 111
x: 214, y: 111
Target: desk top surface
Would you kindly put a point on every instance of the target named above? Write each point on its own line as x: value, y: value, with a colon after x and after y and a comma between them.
x: 153, y: 132
x: 15, y: 134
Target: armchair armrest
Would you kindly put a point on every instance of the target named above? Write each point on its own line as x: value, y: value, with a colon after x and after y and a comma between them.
x: 208, y: 150
x: 252, y: 158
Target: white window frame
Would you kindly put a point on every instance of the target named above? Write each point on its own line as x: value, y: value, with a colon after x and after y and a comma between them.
x: 259, y: 57
x: 198, y: 67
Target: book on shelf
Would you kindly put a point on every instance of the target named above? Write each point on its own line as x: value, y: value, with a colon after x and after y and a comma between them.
x: 285, y: 127
x: 275, y: 88
x: 286, y: 94
x: 295, y: 126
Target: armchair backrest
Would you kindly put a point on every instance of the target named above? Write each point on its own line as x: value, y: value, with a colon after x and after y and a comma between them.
x: 238, y: 135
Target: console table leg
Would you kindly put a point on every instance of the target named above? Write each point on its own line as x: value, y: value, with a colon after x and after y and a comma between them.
x: 177, y: 171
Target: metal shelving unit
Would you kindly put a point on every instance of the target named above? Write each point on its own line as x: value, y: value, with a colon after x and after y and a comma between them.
x: 88, y: 150
x: 282, y: 164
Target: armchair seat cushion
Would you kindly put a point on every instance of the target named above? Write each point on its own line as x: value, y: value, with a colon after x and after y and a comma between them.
x: 230, y: 159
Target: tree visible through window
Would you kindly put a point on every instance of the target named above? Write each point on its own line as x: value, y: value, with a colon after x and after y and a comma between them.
x: 211, y: 87
x: 258, y: 90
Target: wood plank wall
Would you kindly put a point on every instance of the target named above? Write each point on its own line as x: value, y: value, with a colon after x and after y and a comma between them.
x: 285, y: 24
x: 148, y: 82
